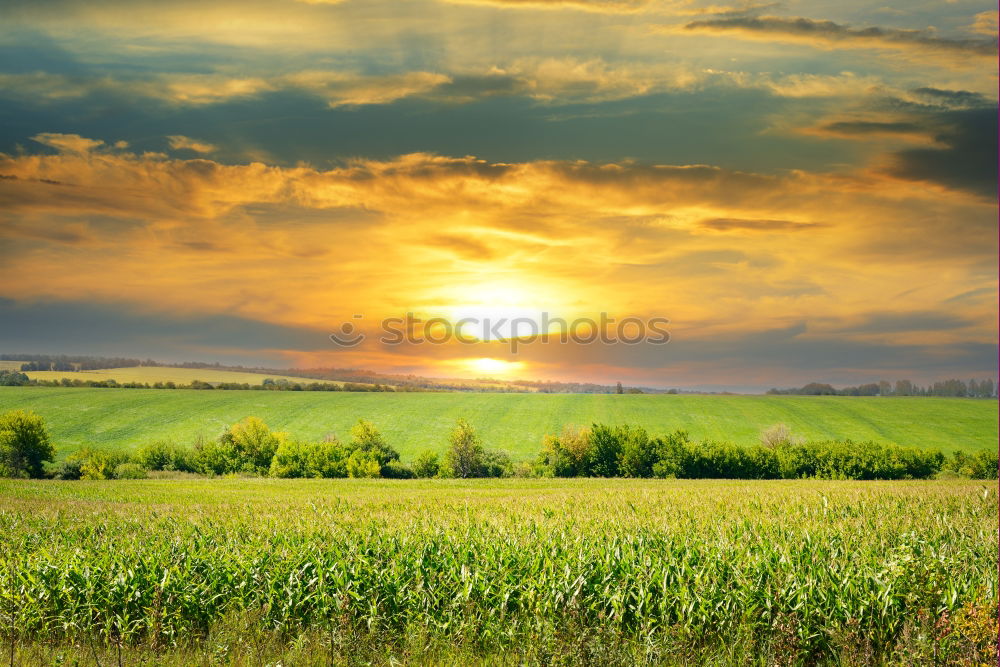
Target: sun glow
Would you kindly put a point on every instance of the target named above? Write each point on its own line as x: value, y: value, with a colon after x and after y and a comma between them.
x: 492, y: 366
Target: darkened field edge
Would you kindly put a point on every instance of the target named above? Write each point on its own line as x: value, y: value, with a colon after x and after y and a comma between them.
x: 538, y: 571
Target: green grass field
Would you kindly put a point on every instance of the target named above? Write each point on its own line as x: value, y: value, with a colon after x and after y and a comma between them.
x: 125, y: 418
x: 153, y: 374
x: 583, y: 571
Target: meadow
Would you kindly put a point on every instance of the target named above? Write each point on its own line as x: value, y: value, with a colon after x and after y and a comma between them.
x: 584, y: 571
x: 515, y: 423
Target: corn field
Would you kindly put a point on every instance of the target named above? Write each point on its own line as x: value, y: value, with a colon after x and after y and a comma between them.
x: 582, y: 571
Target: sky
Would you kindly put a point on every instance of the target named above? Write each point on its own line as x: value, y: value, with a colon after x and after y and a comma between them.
x: 805, y: 190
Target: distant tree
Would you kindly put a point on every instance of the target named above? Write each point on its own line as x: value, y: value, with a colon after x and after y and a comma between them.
x: 884, y: 388
x: 465, y: 454
x: 904, y: 388
x: 619, y: 389
x: 13, y: 379
x: 24, y: 445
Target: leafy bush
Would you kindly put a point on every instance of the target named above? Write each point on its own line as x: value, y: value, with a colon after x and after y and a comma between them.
x: 397, y: 470
x: 129, y: 471
x: 566, y: 455
x: 91, y: 463
x: 427, y: 464
x: 162, y: 455
x: 628, y: 451
x: 980, y: 465
x: 496, y: 464
x: 246, y: 447
x: 467, y: 458
x: 637, y: 453
x: 24, y: 445
x: 310, y: 459
x: 363, y: 464
x: 367, y: 440
x: 605, y: 450
x: 13, y: 378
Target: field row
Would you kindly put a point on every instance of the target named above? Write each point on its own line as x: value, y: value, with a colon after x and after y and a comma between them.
x: 536, y: 570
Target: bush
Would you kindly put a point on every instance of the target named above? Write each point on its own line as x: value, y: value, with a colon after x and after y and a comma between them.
x: 566, y: 455
x: 467, y: 458
x: 245, y: 447
x: 979, y: 465
x: 69, y: 468
x: 161, y: 455
x: 366, y: 439
x: 363, y: 464
x: 777, y: 434
x: 313, y: 459
x: 637, y: 453
x: 628, y: 451
x: 496, y: 464
x: 13, y: 379
x: 427, y: 464
x: 605, y: 450
x: 24, y: 445
x: 397, y: 470
x: 129, y: 471
x: 88, y: 463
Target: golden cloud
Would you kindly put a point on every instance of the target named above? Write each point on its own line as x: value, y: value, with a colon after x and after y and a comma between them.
x: 180, y: 142
x: 831, y: 35
x: 713, y: 248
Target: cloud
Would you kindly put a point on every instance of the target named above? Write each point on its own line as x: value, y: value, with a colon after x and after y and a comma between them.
x: 602, y: 6
x: 846, y: 84
x: 550, y: 80
x: 735, y: 224
x: 180, y: 142
x: 985, y: 23
x: 947, y: 99
x: 341, y: 89
x: 966, y: 160
x: 713, y: 249
x: 462, y: 246
x: 835, y: 35
x: 67, y: 143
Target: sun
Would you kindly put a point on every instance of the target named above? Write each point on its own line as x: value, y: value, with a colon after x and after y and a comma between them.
x: 492, y: 366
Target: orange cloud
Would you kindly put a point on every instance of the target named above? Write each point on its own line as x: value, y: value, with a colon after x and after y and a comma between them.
x: 710, y: 248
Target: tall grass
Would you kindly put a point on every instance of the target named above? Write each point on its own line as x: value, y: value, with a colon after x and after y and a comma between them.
x: 628, y: 571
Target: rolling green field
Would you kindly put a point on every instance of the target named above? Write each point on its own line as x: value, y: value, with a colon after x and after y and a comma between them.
x: 412, y: 422
x: 153, y: 374
x: 584, y: 571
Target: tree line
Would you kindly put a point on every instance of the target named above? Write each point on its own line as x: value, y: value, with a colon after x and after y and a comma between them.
x: 16, y: 378
x: 951, y: 388
x: 250, y: 447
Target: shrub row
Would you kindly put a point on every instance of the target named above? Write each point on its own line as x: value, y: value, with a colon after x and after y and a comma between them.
x: 251, y: 448
x: 629, y: 451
